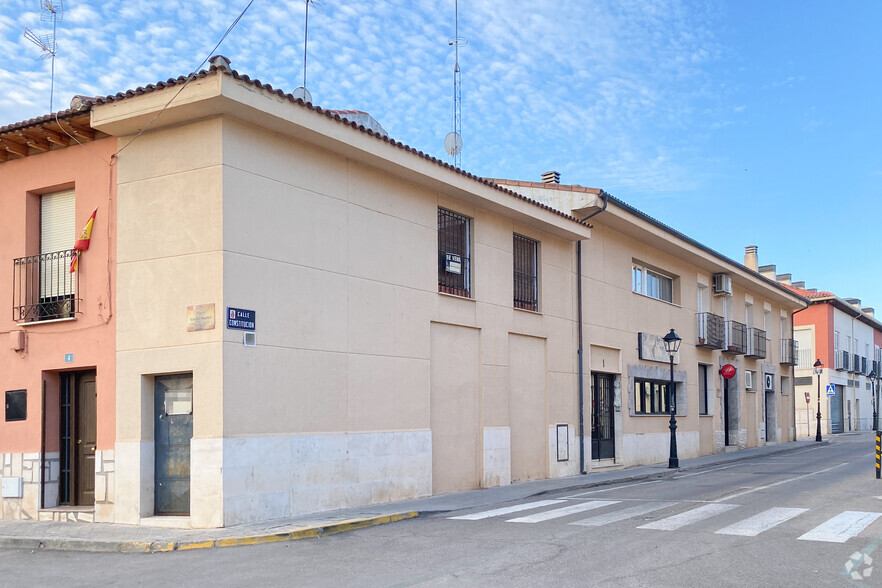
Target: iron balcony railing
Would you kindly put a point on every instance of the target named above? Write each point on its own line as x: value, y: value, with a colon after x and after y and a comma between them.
x: 790, y: 352
x: 736, y: 338
x: 711, y: 330
x: 840, y: 359
x: 864, y: 369
x: 756, y: 343
x: 43, y: 288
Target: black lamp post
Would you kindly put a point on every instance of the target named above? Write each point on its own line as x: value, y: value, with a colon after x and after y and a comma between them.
x: 672, y: 344
x: 819, y: 368
x: 873, y: 377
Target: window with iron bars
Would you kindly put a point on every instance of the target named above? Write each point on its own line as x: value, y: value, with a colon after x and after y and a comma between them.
x: 526, y: 273
x: 454, y: 263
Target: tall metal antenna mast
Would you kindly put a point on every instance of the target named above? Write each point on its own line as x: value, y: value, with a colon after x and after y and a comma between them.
x: 49, y: 10
x: 302, y: 92
x: 453, y: 140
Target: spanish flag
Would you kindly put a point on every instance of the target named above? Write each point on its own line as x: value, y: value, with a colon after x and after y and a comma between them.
x: 82, y: 243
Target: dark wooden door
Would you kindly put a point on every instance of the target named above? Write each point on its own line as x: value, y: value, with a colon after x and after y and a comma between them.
x: 603, y: 438
x: 86, y: 434
x: 173, y: 430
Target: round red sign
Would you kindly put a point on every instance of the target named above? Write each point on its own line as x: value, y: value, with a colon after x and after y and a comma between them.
x: 728, y: 371
x: 807, y: 398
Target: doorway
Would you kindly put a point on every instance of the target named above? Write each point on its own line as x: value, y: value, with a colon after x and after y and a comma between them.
x: 770, y: 416
x: 603, y: 438
x: 78, y: 436
x: 836, y: 420
x: 172, y: 430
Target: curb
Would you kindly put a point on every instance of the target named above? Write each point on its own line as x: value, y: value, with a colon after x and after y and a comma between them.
x: 672, y: 472
x: 91, y: 545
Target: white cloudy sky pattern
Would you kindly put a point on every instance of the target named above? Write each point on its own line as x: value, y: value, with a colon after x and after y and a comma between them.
x: 722, y: 118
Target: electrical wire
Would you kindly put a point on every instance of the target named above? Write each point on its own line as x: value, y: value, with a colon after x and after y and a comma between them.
x: 189, y: 77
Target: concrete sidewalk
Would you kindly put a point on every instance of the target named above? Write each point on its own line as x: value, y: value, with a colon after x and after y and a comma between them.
x: 107, y: 537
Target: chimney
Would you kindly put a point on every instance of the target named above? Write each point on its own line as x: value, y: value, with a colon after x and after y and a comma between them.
x: 767, y: 271
x: 551, y: 177
x: 751, y: 261
x: 856, y: 302
x: 800, y: 285
x: 783, y: 278
x: 869, y: 311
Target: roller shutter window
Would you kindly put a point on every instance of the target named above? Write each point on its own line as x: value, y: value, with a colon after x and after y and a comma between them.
x: 57, y: 233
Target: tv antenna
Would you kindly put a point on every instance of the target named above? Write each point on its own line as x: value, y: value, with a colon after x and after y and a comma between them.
x: 50, y: 10
x: 453, y: 140
x: 301, y: 92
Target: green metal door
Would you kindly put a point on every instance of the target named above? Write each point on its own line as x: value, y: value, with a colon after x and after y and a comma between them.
x: 173, y: 429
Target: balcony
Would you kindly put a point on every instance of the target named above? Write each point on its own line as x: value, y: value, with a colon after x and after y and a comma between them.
x: 864, y: 369
x: 736, y: 338
x: 756, y: 343
x: 789, y: 352
x: 43, y: 289
x: 842, y: 363
x: 711, y: 331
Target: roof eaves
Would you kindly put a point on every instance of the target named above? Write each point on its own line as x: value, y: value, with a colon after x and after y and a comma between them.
x: 672, y: 231
x: 335, y: 115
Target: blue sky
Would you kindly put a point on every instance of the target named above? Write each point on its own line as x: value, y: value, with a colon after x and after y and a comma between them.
x: 740, y: 122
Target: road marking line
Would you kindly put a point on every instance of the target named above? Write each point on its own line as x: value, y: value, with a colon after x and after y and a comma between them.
x: 764, y: 521
x: 613, y: 488
x: 689, y: 517
x: 704, y: 472
x: 842, y: 527
x: 748, y: 491
x: 562, y: 512
x: 625, y: 514
x: 486, y: 514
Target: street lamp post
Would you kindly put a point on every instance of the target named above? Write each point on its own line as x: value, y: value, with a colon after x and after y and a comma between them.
x: 672, y: 344
x: 819, y: 368
x: 873, y: 377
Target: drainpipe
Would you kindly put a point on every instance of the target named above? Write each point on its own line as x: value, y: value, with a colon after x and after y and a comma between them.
x: 603, y: 196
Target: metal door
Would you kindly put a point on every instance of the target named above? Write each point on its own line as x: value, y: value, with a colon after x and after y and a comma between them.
x: 768, y: 413
x: 836, y: 421
x: 603, y: 439
x: 173, y: 429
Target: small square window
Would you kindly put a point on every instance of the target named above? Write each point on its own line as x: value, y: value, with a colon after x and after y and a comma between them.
x: 16, y: 405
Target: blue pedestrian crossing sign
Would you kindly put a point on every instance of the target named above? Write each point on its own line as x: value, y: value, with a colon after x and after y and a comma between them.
x: 831, y: 390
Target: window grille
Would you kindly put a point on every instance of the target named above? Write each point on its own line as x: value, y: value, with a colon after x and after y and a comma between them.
x: 526, y: 273
x: 454, y: 264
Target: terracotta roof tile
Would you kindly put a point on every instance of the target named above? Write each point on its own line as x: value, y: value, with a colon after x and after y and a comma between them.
x: 338, y: 115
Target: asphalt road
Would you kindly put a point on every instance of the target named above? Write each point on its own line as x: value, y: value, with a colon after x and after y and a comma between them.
x: 795, y: 519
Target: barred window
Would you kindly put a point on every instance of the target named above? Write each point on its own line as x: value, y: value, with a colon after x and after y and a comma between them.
x: 526, y: 273
x: 650, y: 396
x: 454, y: 263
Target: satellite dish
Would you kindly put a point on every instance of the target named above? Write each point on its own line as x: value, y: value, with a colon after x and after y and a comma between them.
x: 303, y: 94
x: 453, y: 143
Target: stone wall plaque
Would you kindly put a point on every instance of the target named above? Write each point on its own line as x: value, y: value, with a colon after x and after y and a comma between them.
x: 652, y: 348
x: 200, y: 317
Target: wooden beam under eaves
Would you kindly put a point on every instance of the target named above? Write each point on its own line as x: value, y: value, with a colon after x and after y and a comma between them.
x: 14, y: 147
x: 37, y: 143
x: 56, y: 138
x: 81, y: 133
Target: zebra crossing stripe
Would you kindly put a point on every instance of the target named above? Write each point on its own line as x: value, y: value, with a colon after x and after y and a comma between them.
x: 563, y: 512
x: 842, y: 527
x: 505, y: 510
x: 625, y: 514
x: 753, y: 526
x: 689, y: 517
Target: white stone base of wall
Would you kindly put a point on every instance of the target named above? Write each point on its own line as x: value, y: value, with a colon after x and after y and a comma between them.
x: 281, y: 476
x: 32, y: 473
x: 497, y: 457
x: 653, y: 448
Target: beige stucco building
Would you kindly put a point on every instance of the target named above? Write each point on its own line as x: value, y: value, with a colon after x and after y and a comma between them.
x: 309, y: 316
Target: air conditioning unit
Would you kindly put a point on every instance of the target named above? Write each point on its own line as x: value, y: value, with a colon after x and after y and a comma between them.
x: 722, y: 285
x: 748, y: 380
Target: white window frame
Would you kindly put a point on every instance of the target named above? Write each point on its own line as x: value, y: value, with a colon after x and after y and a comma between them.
x: 640, y: 282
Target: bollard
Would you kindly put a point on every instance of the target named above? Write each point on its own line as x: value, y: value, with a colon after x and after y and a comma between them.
x: 878, y: 455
